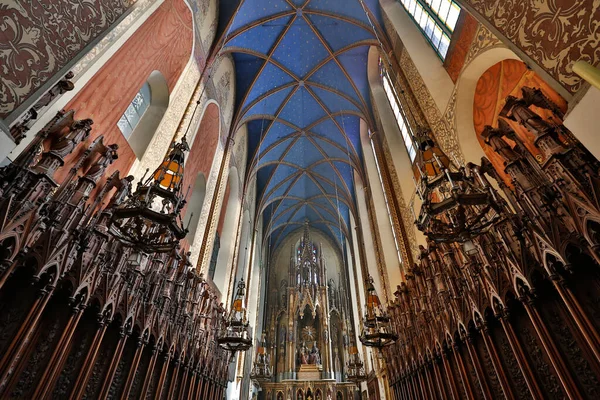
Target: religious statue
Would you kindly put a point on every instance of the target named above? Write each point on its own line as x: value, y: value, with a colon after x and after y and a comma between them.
x: 282, y: 334
x: 518, y: 110
x: 281, y: 359
x: 315, y: 355
x: 336, y: 360
x: 18, y: 130
x: 106, y: 158
x: 123, y: 191
x: 303, y: 355
x: 493, y: 138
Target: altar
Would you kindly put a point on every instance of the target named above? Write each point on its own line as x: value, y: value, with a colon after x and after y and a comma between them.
x: 309, y: 372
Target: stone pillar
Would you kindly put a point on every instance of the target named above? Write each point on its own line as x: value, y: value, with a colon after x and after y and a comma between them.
x: 386, y: 234
x: 367, y: 234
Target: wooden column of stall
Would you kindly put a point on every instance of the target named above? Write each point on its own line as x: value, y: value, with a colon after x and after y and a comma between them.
x: 449, y: 376
x: 163, y: 374
x: 173, y: 384
x: 462, y: 371
x: 481, y: 379
x: 114, y: 362
x: 150, y: 372
x: 88, y: 365
x: 579, y: 316
x: 140, y: 345
x: 496, y: 363
x: 13, y: 357
x: 530, y: 379
x: 429, y: 380
x: 551, y: 350
x: 59, y: 356
x: 437, y: 360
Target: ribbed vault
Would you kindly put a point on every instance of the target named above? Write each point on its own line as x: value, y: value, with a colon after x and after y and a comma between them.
x: 302, y: 89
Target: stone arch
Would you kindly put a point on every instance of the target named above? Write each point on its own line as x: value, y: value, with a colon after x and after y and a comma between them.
x: 229, y: 227
x: 224, y: 81
x: 142, y: 134
x: 508, y: 77
x: 465, y: 129
x: 194, y: 206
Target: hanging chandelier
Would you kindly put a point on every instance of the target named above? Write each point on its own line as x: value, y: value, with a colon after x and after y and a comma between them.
x: 261, y: 371
x: 149, y: 220
x: 355, y: 367
x: 376, y: 329
x: 458, y: 203
x: 234, y: 334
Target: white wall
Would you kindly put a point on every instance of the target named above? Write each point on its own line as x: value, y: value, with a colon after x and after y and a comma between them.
x: 582, y: 121
x: 426, y: 60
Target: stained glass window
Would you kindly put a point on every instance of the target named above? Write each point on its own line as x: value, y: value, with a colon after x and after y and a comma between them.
x: 135, y: 111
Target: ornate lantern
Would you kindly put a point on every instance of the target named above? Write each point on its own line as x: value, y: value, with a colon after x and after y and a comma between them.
x: 233, y: 335
x: 458, y: 204
x: 261, y: 371
x: 377, y: 329
x: 355, y: 367
x: 149, y: 220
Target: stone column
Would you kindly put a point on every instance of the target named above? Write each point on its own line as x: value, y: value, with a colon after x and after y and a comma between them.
x: 367, y: 235
x: 378, y: 197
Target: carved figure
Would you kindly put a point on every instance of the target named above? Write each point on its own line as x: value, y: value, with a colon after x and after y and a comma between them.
x: 493, y: 137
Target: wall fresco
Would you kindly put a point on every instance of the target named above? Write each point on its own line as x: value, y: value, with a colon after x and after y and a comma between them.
x: 462, y: 38
x: 164, y: 43
x: 502, y: 79
x: 554, y: 33
x: 38, y: 38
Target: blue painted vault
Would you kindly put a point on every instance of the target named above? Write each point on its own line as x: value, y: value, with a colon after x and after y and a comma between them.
x: 301, y: 75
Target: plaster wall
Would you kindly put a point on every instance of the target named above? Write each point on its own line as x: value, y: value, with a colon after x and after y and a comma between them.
x: 164, y: 43
x: 434, y: 74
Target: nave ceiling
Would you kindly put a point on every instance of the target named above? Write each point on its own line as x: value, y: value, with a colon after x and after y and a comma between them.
x: 301, y: 79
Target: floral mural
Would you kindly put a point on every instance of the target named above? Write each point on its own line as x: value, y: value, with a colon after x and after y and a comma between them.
x: 40, y: 37
x: 554, y: 33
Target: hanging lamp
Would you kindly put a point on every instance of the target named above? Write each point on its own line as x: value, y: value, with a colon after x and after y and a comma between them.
x: 355, y: 367
x: 261, y: 370
x: 234, y: 335
x: 457, y: 203
x: 149, y: 220
x: 376, y: 328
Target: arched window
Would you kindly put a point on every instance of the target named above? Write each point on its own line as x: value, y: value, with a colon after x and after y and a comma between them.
x: 143, y: 115
x: 399, y: 113
x: 194, y: 206
x: 385, y: 197
x: 436, y: 19
x: 132, y: 115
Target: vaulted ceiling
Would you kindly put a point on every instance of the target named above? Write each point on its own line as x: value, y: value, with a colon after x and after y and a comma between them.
x: 301, y: 79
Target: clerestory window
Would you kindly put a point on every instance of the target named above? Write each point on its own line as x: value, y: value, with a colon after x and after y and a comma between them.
x: 399, y: 113
x: 436, y: 19
x: 134, y: 112
x: 385, y: 198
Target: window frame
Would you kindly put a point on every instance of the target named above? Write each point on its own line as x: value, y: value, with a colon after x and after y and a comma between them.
x: 137, y: 107
x: 385, y: 199
x: 399, y: 114
x: 429, y: 21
